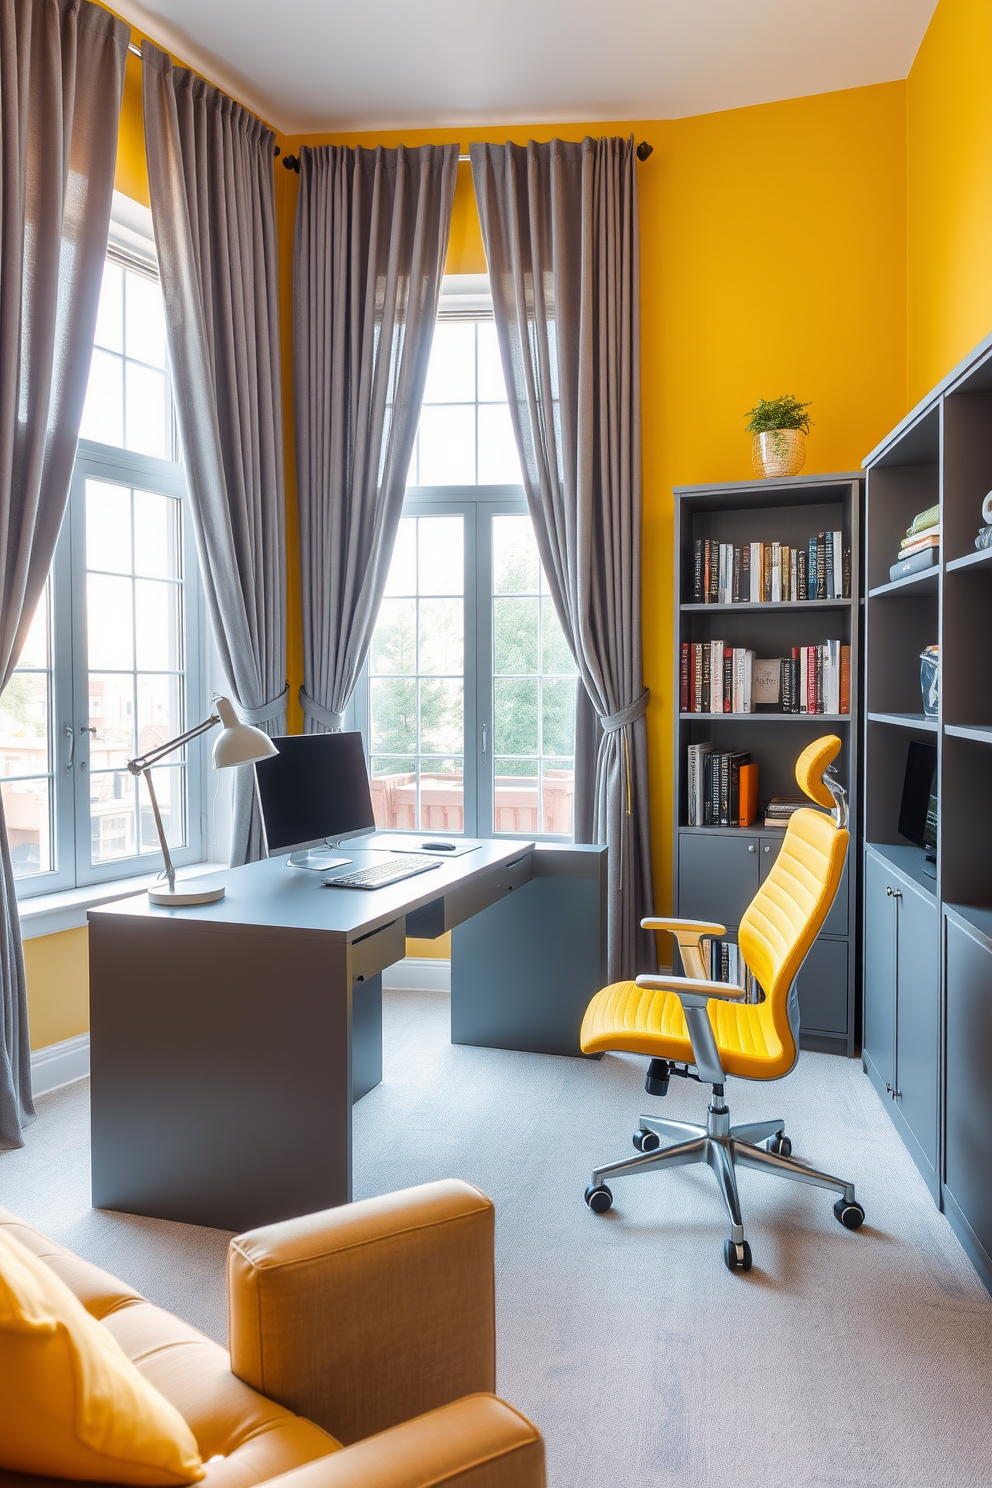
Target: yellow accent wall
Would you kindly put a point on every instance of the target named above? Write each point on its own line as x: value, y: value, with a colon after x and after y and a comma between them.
x: 949, y: 151
x: 57, y: 971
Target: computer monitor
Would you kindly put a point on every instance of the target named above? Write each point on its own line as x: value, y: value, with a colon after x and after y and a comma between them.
x: 918, y: 809
x: 314, y: 789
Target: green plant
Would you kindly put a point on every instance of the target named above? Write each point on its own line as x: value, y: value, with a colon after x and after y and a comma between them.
x: 779, y: 413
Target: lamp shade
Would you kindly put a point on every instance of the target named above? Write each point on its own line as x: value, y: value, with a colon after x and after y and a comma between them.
x: 239, y: 743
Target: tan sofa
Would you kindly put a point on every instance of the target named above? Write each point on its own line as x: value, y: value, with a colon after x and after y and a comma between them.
x: 362, y: 1350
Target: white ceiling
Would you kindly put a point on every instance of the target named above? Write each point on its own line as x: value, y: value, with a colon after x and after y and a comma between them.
x: 307, y: 65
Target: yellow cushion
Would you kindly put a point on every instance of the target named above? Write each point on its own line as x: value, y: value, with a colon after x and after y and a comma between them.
x: 73, y: 1405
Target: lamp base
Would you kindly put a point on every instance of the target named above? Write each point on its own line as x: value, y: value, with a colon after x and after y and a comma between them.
x: 185, y: 896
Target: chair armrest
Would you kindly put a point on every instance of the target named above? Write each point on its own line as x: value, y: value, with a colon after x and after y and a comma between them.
x: 370, y: 1314
x: 693, y: 991
x: 479, y: 1442
x: 694, y: 928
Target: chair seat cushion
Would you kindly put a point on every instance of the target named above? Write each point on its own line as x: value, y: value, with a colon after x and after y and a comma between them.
x: 638, y: 1020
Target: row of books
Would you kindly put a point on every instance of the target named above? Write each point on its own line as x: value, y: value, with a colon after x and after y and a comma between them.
x: 920, y: 548
x: 722, y: 787
x: 716, y: 678
x: 770, y: 573
x: 724, y: 963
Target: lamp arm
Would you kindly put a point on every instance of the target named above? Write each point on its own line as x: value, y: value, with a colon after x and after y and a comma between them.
x: 144, y: 761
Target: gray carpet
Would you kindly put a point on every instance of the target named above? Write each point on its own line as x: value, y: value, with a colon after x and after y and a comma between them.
x: 843, y: 1359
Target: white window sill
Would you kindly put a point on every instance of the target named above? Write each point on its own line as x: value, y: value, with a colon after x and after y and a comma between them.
x: 47, y: 914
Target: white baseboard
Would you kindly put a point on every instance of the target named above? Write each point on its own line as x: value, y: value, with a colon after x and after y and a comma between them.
x: 59, y: 1064
x: 418, y: 974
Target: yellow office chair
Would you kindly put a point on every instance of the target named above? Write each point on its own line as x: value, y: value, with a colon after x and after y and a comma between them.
x: 690, y: 1020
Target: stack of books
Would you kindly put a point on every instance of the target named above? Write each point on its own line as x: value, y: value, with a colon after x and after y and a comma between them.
x: 780, y: 808
x: 724, y: 963
x: 722, y: 787
x: 770, y: 573
x: 715, y: 678
x: 920, y: 548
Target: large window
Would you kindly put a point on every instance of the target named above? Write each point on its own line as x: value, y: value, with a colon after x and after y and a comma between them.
x: 112, y: 665
x: 469, y: 699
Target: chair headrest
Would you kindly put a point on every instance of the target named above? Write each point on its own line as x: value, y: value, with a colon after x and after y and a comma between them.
x: 810, y: 765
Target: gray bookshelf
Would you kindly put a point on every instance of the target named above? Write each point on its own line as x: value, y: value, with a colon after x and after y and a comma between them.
x: 928, y: 931
x: 717, y: 870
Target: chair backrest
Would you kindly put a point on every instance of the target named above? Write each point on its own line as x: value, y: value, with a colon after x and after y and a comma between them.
x: 786, y: 915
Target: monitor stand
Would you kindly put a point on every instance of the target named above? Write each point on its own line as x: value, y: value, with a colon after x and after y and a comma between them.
x: 317, y: 858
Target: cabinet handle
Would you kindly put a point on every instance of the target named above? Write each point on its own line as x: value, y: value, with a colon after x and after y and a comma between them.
x: 767, y: 847
x: 893, y: 893
x: 895, y: 1094
x: 750, y: 847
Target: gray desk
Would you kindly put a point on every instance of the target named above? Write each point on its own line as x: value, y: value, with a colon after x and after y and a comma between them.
x: 228, y: 1041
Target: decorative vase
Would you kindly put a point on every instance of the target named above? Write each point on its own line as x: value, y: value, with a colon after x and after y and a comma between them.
x: 779, y: 452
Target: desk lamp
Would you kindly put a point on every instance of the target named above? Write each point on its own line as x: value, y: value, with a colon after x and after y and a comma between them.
x: 238, y: 744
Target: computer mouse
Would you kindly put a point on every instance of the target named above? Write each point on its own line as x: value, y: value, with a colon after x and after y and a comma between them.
x: 438, y: 846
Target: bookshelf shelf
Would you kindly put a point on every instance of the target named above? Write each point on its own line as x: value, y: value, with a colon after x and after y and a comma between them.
x: 925, y: 582
x: 717, y: 870
x: 982, y: 734
x: 906, y: 720
x: 981, y: 558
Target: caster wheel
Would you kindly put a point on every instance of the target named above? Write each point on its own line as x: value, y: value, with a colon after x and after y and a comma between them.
x: 851, y: 1216
x: 599, y: 1199
x: 780, y: 1144
x: 646, y: 1141
x: 737, y: 1257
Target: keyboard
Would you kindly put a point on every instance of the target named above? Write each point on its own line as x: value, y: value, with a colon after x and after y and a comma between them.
x: 378, y: 875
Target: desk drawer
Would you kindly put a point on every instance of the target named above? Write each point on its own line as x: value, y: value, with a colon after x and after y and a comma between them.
x: 465, y: 900
x: 373, y: 953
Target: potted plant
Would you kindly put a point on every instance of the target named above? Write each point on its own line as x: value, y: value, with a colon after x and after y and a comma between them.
x: 779, y: 426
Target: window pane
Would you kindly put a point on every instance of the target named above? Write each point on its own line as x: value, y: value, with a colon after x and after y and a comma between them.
x: 557, y: 797
x: 393, y: 707
x: 147, y: 411
x: 442, y: 555
x: 442, y: 636
x: 492, y: 385
x: 516, y: 798
x: 109, y: 623
x: 24, y: 725
x: 394, y: 793
x: 447, y: 445
x: 169, y: 786
x: 36, y: 649
x: 160, y: 712
x: 103, y: 411
x: 402, y: 577
x: 111, y: 703
x: 156, y: 605
x: 112, y: 821
x: 558, y: 716
x: 156, y: 535
x: 515, y: 635
x: 394, y: 640
x: 110, y: 316
x: 515, y: 561
x: 451, y: 371
x: 499, y: 463
x: 442, y: 726
x: 556, y: 655
x: 145, y: 319
x: 515, y: 716
x: 442, y: 795
x: 27, y: 807
x: 108, y: 527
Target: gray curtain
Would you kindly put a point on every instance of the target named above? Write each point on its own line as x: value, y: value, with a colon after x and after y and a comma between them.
x: 559, y: 222
x: 371, y: 238
x: 61, y: 78
x: 212, y: 194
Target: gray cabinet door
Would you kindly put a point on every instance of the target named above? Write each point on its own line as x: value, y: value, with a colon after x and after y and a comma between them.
x: 918, y: 1015
x: 718, y: 876
x: 968, y: 1101
x: 880, y: 966
x: 822, y: 984
x: 836, y: 921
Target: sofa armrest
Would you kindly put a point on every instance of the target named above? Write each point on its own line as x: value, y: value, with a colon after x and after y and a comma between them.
x: 367, y: 1315
x: 478, y: 1442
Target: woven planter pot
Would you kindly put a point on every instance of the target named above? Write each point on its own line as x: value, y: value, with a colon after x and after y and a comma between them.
x: 779, y: 452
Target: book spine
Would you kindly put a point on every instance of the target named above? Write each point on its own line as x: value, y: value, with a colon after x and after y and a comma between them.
x: 828, y: 566
x: 802, y: 574
x: 749, y: 680
x: 716, y: 676
x: 766, y: 573
x: 725, y: 790
x: 684, y: 678
x: 775, y: 588
x: 734, y: 809
x: 755, y: 573
x: 786, y: 573
x: 845, y: 679
x: 818, y: 678
x: 838, y: 585
x: 697, y: 571
x: 846, y: 574
x: 707, y: 773
x: 705, y: 697
x: 745, y: 591
x: 690, y: 786
x: 794, y: 670
x: 714, y: 586
x: 697, y: 678
x: 728, y: 572
x: 785, y: 685
x: 706, y: 570
x: 728, y: 679
x: 821, y: 565
x: 735, y: 588
x: 803, y: 679
x: 713, y: 760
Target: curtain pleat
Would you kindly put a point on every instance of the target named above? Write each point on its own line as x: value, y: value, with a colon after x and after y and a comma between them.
x: 371, y: 239
x: 210, y: 177
x: 559, y: 222
x: 61, y: 81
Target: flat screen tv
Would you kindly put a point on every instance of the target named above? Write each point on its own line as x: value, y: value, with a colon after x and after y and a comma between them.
x: 918, y: 810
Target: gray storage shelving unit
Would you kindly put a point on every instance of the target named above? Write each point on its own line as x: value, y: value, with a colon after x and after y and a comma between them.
x: 717, y: 870
x: 928, y: 939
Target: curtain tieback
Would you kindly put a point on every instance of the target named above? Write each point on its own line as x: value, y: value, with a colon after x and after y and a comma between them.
x: 613, y: 722
x: 323, y: 716
x: 267, y: 712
